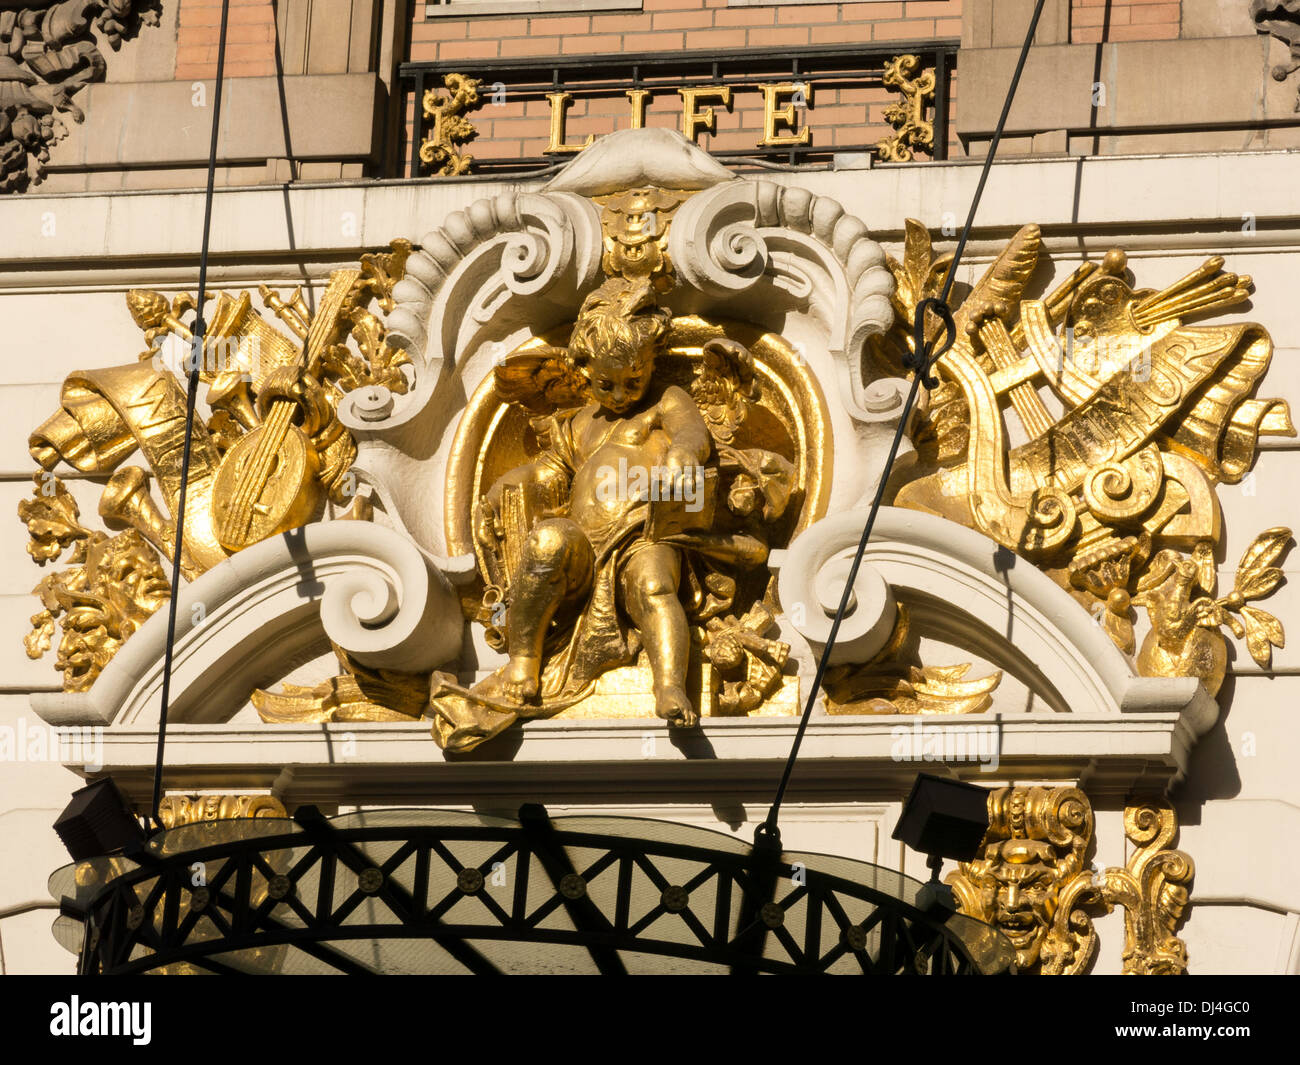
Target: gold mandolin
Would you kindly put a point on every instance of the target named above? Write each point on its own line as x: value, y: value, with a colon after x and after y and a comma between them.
x: 268, y: 481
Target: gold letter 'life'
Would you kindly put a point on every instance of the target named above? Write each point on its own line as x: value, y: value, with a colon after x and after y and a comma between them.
x: 560, y: 101
x: 638, y: 98
x: 771, y: 115
x: 692, y: 120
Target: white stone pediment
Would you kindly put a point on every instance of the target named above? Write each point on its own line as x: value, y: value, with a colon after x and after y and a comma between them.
x: 371, y: 591
x: 961, y: 585
x: 366, y: 587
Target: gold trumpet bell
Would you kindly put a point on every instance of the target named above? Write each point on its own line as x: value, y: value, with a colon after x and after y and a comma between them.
x: 128, y: 504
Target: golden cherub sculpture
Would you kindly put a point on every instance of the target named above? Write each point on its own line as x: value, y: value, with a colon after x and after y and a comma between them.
x: 611, y: 538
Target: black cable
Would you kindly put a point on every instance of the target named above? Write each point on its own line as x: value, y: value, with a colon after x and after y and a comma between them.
x: 191, y: 399
x: 920, y: 360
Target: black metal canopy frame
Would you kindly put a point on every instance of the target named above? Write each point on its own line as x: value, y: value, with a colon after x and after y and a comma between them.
x: 432, y: 891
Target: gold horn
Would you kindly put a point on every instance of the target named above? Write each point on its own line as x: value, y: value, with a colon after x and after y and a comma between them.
x: 128, y: 504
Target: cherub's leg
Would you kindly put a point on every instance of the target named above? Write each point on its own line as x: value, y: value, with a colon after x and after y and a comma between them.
x: 557, y: 561
x: 649, y: 585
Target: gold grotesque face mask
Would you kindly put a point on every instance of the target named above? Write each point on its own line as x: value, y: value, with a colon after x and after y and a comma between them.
x: 1023, y: 890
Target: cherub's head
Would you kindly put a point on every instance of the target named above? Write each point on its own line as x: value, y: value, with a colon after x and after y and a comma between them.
x: 618, y: 334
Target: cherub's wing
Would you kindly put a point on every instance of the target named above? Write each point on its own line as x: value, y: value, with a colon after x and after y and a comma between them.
x: 724, y: 386
x: 541, y: 381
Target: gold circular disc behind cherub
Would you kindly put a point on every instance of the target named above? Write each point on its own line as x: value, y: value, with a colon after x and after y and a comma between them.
x: 789, y: 418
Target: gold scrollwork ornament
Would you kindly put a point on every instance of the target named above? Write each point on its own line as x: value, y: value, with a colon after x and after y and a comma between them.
x: 912, y: 130
x: 1154, y: 890
x: 450, y: 126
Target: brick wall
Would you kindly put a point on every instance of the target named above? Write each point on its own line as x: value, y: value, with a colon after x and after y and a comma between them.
x: 1124, y: 20
x: 671, y: 25
x: 840, y: 114
x: 250, y: 39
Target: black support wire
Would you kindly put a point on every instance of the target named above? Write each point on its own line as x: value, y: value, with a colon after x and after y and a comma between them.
x: 923, y: 357
x: 191, y: 398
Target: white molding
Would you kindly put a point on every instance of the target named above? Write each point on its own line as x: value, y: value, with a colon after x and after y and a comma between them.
x: 1084, y: 205
x: 564, y: 761
x: 1076, y: 667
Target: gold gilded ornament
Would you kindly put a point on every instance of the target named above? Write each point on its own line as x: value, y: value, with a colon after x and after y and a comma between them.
x: 601, y: 519
x: 450, y: 126
x: 262, y: 461
x: 634, y: 226
x: 177, y: 810
x: 357, y: 694
x: 1031, y: 881
x: 749, y: 664
x: 113, y: 586
x: 912, y: 130
x: 894, y: 682
x: 1114, y: 498
x: 269, y: 480
x: 1153, y: 889
x: 1184, y: 640
x: 635, y: 528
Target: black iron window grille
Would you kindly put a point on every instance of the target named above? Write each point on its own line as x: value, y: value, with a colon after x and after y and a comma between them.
x: 822, y: 69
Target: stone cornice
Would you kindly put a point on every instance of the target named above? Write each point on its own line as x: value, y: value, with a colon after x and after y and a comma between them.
x: 578, y: 761
x: 1082, y: 205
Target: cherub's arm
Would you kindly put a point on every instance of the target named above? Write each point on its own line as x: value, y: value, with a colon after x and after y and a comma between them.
x: 682, y: 421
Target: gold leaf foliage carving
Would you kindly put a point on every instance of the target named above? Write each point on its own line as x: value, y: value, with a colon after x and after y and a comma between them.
x: 1154, y: 889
